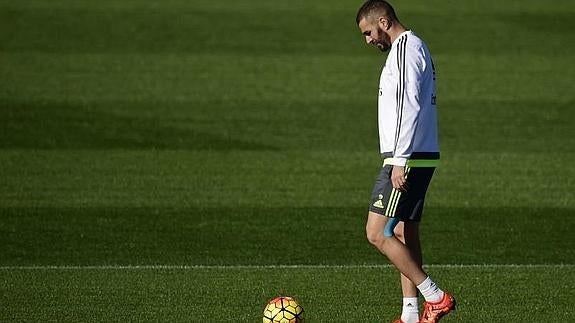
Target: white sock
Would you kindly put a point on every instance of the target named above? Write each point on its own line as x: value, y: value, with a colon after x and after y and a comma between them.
x: 410, y: 310
x: 430, y: 291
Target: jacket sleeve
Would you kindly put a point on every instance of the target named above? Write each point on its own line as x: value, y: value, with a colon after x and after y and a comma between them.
x: 411, y: 64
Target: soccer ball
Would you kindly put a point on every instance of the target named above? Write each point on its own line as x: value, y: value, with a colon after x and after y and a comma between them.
x: 283, y: 309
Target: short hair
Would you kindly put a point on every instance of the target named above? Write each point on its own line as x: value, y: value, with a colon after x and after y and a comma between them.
x: 371, y: 8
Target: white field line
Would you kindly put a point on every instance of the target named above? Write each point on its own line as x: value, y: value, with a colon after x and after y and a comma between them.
x: 192, y: 267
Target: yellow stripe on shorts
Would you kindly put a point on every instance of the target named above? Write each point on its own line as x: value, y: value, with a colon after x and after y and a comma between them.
x: 392, y: 204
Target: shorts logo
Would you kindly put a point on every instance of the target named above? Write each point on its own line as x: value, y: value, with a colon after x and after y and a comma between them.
x: 379, y: 202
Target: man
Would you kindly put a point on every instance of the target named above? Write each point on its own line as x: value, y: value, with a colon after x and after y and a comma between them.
x: 409, y: 146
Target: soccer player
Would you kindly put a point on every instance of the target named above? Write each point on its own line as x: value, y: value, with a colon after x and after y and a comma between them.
x: 409, y: 146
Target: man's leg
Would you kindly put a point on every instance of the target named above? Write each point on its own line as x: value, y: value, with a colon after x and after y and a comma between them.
x: 380, y: 232
x: 435, y: 308
x: 408, y: 234
x: 393, y: 248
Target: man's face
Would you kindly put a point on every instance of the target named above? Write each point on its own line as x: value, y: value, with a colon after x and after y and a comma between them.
x: 374, y: 34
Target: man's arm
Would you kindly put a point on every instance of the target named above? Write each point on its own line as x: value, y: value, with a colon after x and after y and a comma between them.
x: 411, y: 64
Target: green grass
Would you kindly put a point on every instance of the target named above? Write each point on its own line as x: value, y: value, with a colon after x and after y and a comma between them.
x: 328, y: 294
x: 187, y: 161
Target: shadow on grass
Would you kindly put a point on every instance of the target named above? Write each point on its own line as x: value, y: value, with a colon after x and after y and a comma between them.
x: 65, y: 126
x: 266, y: 236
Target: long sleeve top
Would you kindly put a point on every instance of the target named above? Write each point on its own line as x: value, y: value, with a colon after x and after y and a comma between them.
x: 407, y: 112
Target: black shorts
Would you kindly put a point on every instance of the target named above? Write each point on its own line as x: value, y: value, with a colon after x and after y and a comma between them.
x: 405, y: 206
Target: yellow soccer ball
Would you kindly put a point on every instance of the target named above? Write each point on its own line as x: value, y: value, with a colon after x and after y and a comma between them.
x: 283, y: 309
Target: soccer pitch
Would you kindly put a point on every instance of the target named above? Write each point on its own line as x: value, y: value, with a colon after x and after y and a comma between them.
x: 190, y: 160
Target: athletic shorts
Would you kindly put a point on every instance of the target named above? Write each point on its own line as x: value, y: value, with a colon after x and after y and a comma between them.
x: 405, y: 206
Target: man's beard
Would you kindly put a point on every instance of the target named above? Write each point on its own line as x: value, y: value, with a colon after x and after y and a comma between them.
x: 383, y: 47
x: 383, y: 44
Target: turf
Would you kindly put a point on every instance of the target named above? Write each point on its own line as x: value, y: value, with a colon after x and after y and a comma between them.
x: 193, y: 138
x: 328, y: 294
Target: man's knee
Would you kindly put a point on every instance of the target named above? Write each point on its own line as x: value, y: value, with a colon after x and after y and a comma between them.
x: 377, y: 236
x: 373, y: 236
x: 407, y: 232
x: 379, y: 228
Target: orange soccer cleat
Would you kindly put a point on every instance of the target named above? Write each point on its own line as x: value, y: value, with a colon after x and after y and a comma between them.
x: 398, y: 321
x: 435, y: 311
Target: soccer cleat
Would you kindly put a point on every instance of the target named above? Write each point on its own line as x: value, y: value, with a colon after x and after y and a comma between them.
x: 433, y: 312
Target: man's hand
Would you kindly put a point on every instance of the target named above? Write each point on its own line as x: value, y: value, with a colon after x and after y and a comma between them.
x: 398, y: 178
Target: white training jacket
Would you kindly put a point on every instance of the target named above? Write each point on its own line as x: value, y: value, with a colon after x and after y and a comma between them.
x: 407, y: 113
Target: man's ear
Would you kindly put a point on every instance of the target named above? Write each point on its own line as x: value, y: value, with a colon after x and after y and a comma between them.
x: 384, y: 23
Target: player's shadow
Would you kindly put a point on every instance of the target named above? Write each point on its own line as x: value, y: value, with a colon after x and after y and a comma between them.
x: 66, y: 126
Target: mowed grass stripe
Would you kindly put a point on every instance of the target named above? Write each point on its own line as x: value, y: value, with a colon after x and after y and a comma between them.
x: 251, y: 267
x: 334, y: 294
x: 272, y: 236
